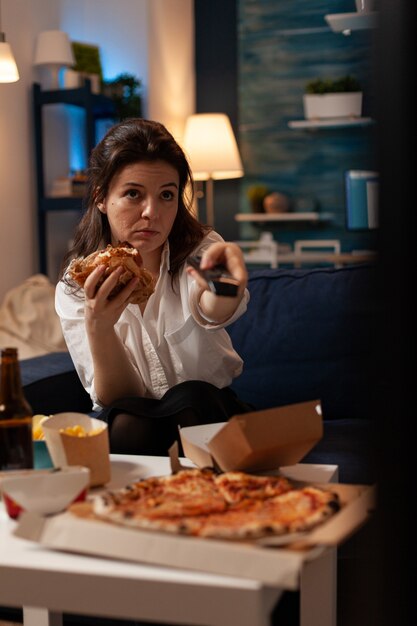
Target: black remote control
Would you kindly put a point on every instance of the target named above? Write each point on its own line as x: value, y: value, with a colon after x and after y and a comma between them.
x: 218, y: 278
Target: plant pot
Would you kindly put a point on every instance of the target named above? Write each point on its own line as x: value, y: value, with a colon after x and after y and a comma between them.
x: 72, y: 79
x: 329, y: 105
x: 365, y: 6
x: 276, y: 202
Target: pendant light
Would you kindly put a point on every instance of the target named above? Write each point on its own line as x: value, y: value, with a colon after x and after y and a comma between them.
x: 8, y: 67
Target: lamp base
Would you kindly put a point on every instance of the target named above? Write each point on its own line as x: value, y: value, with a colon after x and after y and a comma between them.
x: 54, y: 76
x: 49, y: 76
x: 210, y: 201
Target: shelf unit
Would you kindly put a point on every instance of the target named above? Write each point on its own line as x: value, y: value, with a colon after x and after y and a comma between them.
x: 270, y: 252
x: 96, y: 106
x: 342, y: 23
x: 310, y: 216
x: 334, y: 122
x: 346, y: 22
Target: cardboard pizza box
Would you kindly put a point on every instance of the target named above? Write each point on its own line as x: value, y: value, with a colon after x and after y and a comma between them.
x: 258, y: 441
x: 276, y: 561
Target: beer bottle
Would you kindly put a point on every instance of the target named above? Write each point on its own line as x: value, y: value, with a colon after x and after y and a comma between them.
x: 16, y: 447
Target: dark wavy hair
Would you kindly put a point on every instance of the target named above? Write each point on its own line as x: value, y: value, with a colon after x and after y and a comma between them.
x: 131, y: 141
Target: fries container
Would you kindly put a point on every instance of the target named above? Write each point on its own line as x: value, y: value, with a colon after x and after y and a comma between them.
x: 90, y: 451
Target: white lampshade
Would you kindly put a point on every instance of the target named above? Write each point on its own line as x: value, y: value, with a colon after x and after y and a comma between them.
x: 211, y: 147
x: 53, y: 51
x: 53, y: 48
x: 8, y: 67
x: 212, y: 150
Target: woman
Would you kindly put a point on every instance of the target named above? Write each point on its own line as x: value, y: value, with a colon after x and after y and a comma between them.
x: 168, y: 361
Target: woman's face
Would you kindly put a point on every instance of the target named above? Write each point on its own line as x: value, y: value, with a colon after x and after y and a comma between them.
x: 141, y: 206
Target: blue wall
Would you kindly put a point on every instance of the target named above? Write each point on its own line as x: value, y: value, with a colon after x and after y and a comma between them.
x: 282, y: 44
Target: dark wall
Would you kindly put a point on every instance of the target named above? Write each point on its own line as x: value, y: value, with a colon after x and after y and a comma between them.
x: 396, y: 83
x: 217, y: 91
x: 216, y: 57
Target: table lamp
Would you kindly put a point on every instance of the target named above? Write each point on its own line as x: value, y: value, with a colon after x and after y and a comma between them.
x: 211, y: 147
x: 53, y: 49
x: 8, y: 67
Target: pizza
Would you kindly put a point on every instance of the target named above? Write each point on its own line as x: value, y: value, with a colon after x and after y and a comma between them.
x: 231, y: 505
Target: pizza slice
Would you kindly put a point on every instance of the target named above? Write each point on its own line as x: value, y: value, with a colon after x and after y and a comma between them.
x: 188, y: 493
x: 296, y: 510
x: 237, y: 486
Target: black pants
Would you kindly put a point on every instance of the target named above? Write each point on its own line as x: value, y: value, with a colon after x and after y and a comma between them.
x: 149, y: 426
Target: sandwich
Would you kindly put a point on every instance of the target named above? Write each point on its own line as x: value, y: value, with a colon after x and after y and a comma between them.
x: 113, y: 257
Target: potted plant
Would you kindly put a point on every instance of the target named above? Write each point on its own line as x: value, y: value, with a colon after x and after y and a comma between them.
x: 125, y: 91
x: 87, y: 65
x: 256, y: 194
x: 328, y: 98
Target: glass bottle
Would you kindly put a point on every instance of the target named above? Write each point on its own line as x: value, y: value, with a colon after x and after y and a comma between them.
x: 16, y: 447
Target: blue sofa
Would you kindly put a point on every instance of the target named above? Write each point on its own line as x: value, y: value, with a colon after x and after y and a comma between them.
x: 308, y: 334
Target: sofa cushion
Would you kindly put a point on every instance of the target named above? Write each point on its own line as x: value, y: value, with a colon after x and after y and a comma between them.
x: 51, y: 384
x: 348, y: 444
x: 28, y: 320
x: 309, y: 334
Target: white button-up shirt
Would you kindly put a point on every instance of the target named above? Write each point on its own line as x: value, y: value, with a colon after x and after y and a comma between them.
x: 168, y: 344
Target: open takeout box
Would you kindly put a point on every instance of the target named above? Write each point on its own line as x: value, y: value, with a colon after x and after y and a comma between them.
x: 258, y: 441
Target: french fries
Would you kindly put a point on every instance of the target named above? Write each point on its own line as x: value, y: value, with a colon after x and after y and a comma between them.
x: 75, y: 431
x: 79, y: 431
x: 37, y: 430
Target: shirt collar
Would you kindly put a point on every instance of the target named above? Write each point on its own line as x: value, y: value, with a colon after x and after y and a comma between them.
x: 165, y: 257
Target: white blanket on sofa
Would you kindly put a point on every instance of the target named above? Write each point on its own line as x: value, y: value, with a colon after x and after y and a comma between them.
x: 28, y: 320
